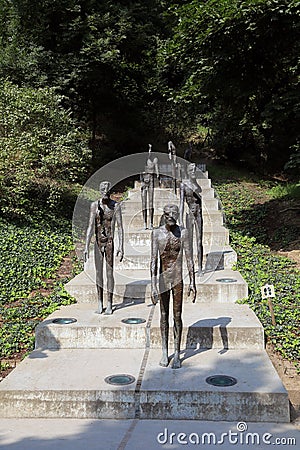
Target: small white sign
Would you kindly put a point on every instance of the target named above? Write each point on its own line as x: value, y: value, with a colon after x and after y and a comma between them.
x: 267, y: 291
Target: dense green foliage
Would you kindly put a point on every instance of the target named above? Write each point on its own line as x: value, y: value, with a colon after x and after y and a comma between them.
x: 29, y: 255
x: 100, y: 55
x: 129, y: 68
x: 258, y: 265
x: 40, y: 148
x: 235, y: 64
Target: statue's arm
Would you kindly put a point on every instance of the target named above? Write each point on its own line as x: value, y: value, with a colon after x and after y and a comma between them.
x: 181, y: 204
x: 120, y: 230
x: 90, y: 230
x: 156, y: 167
x: 154, y: 266
x: 190, y: 264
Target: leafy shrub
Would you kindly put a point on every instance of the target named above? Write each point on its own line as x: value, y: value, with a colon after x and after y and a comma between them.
x: 40, y: 148
x: 258, y: 265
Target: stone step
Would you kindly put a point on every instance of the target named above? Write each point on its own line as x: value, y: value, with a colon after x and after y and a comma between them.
x: 222, y: 326
x: 133, y: 217
x: 207, y: 192
x: 139, y: 258
x: 70, y: 383
x: 208, y: 204
x: 216, y: 235
x: 222, y: 286
x: 203, y: 182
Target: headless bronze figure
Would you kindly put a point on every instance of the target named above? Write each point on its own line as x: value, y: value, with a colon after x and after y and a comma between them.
x: 190, y: 191
x: 147, y: 188
x: 104, y: 214
x: 172, y: 157
x: 168, y: 242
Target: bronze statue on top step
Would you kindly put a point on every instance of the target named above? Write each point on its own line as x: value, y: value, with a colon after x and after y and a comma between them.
x: 147, y: 188
x: 104, y: 214
x: 168, y: 243
x: 190, y: 192
x: 172, y: 157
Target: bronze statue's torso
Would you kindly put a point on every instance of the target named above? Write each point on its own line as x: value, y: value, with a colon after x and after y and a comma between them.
x: 104, y: 222
x: 151, y: 165
x: 170, y: 249
x: 192, y: 193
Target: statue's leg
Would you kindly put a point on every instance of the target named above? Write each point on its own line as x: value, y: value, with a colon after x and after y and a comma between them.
x: 144, y: 207
x: 151, y: 195
x: 190, y: 228
x: 199, y: 237
x: 110, y: 276
x: 99, y: 276
x: 174, y: 175
x: 164, y: 326
x: 177, y: 312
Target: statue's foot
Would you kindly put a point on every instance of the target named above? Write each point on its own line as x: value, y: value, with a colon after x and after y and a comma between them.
x: 100, y: 309
x: 108, y: 311
x: 164, y: 362
x: 176, y: 364
x: 151, y: 227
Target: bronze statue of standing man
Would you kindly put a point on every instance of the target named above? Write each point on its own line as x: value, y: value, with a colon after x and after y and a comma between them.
x: 168, y: 242
x: 104, y: 214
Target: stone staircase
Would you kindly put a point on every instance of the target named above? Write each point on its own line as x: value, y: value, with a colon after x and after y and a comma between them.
x: 65, y: 375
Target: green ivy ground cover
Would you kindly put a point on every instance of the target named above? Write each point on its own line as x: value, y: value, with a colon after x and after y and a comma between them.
x: 30, y: 253
x: 259, y: 265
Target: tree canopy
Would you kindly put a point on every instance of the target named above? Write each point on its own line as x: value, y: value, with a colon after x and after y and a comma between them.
x: 131, y: 69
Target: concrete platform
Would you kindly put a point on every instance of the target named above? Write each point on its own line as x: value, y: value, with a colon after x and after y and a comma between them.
x: 223, y: 326
x: 135, y: 284
x: 79, y: 434
x: 184, y: 393
x: 71, y: 383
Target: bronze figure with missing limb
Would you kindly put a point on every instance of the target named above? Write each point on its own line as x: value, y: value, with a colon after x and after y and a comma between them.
x: 147, y: 188
x: 168, y: 243
x: 190, y: 192
x: 104, y: 214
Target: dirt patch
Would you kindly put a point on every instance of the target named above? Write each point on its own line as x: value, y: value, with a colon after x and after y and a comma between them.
x: 290, y: 379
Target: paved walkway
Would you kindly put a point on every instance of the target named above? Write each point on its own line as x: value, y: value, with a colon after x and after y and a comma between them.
x: 74, y: 434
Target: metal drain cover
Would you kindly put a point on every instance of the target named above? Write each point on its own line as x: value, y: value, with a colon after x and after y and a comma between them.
x: 120, y: 379
x: 221, y: 380
x: 226, y: 280
x: 64, y: 320
x: 133, y: 320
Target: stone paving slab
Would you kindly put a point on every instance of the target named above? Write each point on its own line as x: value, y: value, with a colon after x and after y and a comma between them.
x: 109, y: 434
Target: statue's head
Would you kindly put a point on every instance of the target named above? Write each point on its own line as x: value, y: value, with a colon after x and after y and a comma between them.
x: 171, y: 214
x: 191, y: 170
x: 150, y: 148
x: 104, y: 188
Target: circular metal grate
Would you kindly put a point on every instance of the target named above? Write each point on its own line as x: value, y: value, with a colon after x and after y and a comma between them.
x: 119, y: 380
x: 226, y: 280
x: 221, y: 380
x: 64, y: 320
x: 133, y: 320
